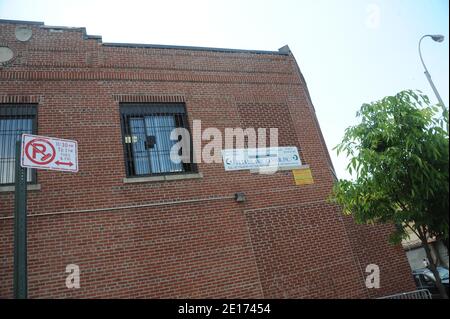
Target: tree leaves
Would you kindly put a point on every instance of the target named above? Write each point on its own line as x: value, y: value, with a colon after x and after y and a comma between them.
x: 399, y: 154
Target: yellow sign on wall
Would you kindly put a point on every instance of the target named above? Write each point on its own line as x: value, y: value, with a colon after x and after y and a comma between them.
x: 303, y: 176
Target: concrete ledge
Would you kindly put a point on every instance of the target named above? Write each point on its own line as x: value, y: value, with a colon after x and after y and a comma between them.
x: 183, y: 176
x: 279, y: 169
x: 162, y: 178
x: 144, y: 179
x: 10, y: 188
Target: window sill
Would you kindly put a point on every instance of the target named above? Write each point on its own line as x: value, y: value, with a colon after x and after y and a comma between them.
x: 162, y: 178
x: 11, y: 188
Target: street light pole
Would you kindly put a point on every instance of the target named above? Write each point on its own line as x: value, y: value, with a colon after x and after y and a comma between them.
x: 436, y: 38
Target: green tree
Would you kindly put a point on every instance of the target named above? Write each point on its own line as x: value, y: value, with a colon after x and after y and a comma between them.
x: 399, y: 156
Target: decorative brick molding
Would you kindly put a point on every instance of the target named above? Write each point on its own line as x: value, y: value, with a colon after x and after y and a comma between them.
x: 14, y: 57
x: 146, y: 98
x: 20, y: 99
x: 147, y: 76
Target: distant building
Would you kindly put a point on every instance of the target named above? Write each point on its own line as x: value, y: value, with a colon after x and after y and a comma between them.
x: 139, y: 226
x: 416, y: 253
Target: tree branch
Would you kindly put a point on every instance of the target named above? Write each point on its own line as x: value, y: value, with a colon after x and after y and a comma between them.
x: 404, y: 208
x: 413, y: 230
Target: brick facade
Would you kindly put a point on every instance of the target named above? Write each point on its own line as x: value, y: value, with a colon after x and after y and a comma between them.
x: 180, y: 238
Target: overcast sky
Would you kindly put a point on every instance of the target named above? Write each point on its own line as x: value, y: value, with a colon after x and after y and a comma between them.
x: 350, y: 51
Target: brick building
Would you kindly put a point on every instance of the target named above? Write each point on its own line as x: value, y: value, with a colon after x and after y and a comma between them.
x: 138, y: 231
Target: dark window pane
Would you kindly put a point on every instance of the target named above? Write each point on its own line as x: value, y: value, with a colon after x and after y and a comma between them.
x: 160, y: 127
x: 14, y: 121
x: 140, y: 156
x: 146, y: 129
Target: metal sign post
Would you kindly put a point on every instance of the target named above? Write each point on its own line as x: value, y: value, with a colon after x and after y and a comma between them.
x: 40, y: 152
x: 20, y: 228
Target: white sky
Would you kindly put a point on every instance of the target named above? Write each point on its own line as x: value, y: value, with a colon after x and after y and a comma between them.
x: 350, y: 51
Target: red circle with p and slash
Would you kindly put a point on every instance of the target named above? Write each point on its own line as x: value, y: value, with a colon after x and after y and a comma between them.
x: 46, y: 158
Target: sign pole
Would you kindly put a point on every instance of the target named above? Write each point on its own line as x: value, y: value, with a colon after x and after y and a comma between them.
x: 20, y: 228
x: 38, y: 152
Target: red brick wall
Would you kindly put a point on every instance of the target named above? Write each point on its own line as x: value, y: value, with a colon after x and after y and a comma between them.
x: 285, y: 241
x: 371, y: 247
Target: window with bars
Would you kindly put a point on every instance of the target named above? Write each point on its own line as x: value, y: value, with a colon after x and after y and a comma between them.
x: 15, y: 119
x: 146, y: 132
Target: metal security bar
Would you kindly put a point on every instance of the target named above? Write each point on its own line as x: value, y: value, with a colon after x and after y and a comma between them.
x: 417, y: 294
x: 15, y: 119
x: 146, y: 130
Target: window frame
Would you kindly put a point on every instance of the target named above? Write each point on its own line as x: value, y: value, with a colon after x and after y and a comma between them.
x: 12, y: 111
x: 141, y: 110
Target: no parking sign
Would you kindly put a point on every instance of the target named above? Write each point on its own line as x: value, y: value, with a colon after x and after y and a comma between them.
x: 49, y: 153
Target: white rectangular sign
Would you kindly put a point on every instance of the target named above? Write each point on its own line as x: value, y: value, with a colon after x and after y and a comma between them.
x: 261, y: 158
x: 49, y: 153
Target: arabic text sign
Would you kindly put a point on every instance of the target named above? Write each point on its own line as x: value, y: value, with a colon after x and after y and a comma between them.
x: 257, y: 158
x: 49, y: 153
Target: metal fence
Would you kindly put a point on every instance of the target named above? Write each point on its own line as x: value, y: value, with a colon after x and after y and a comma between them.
x: 416, y: 294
